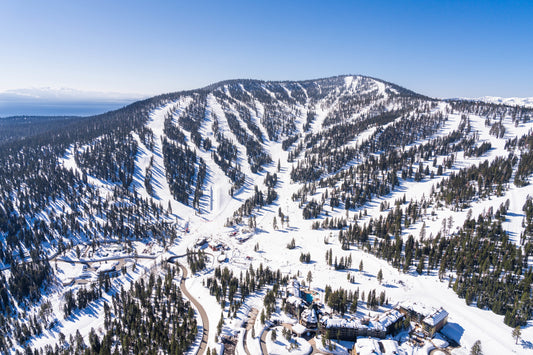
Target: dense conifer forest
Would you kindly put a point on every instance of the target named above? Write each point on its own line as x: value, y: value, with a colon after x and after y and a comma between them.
x: 344, y: 143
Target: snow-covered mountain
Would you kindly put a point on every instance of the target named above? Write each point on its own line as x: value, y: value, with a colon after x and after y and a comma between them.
x: 512, y: 101
x: 343, y: 178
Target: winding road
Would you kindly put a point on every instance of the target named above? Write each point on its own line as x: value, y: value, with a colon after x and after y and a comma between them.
x: 252, y: 315
x: 201, y: 310
x: 172, y: 259
x: 264, y: 349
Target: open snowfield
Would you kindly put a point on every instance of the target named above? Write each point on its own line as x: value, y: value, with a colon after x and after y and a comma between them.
x: 283, y: 346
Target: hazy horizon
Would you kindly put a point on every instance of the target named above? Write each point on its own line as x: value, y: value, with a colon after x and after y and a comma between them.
x: 59, y: 108
x: 61, y: 102
x: 440, y: 49
x: 46, y: 101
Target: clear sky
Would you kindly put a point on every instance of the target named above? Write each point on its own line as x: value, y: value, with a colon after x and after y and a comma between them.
x: 438, y: 48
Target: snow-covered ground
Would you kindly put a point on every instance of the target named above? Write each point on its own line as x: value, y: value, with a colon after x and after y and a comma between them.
x: 512, y: 101
x: 92, y: 316
x: 280, y: 346
x: 467, y: 323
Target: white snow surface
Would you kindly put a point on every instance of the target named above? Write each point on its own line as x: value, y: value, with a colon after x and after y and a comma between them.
x: 511, y: 101
x: 466, y: 324
x: 281, y: 346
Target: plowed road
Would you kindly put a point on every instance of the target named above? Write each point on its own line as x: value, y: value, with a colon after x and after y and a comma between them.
x: 201, y: 310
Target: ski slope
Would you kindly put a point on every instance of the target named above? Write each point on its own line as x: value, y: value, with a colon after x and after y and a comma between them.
x: 217, y: 206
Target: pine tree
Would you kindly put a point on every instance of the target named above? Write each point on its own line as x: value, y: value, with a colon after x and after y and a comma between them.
x: 420, y: 266
x: 353, y: 306
x: 517, y: 333
x: 273, y: 335
x: 220, y: 323
x: 476, y: 348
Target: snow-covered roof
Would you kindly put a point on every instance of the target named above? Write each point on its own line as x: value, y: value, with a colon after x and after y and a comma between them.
x: 381, y: 323
x: 107, y: 267
x: 86, y: 275
x: 294, y: 288
x: 299, y: 328
x: 433, y: 315
x: 436, y: 317
x: 386, y: 319
x: 389, y: 346
x: 439, y: 342
x: 310, y: 315
x: 419, y: 308
x: 296, y: 301
x: 366, y: 346
x: 329, y: 322
x: 295, y: 284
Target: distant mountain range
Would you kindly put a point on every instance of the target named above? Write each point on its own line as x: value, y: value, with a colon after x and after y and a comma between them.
x: 61, y: 102
x: 66, y: 94
x: 511, y: 101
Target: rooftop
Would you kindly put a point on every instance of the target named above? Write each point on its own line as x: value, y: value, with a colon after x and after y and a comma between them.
x: 379, y: 323
x: 367, y: 346
x: 436, y: 317
x: 299, y: 329
x: 296, y: 301
x: 419, y: 308
x: 310, y: 315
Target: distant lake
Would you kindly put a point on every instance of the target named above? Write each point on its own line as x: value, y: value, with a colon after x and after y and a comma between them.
x: 54, y: 108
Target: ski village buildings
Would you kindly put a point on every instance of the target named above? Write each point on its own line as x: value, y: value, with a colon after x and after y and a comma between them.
x: 314, y: 319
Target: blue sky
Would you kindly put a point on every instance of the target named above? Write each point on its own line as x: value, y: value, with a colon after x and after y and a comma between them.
x: 438, y: 48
